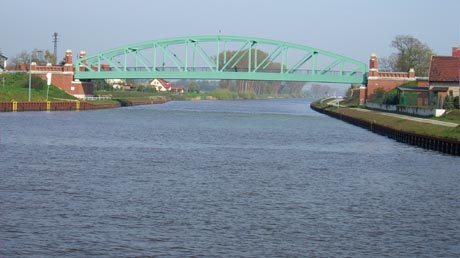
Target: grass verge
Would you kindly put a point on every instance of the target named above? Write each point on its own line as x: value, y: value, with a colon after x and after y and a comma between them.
x: 397, y: 123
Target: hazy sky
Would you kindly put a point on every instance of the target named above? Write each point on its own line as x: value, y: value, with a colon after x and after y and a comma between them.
x: 353, y: 28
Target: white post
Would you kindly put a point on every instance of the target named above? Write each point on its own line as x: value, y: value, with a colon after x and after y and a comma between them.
x: 48, y: 81
x: 30, y: 76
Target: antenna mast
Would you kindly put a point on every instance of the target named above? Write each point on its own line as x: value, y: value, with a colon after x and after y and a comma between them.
x: 55, y: 41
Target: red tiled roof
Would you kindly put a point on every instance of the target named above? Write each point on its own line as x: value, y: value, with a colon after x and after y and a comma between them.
x: 177, y: 88
x: 444, y: 69
x: 164, y: 82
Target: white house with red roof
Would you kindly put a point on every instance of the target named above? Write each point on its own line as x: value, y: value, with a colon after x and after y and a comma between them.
x: 165, y: 86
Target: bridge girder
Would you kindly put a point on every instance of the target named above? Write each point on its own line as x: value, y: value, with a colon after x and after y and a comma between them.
x: 221, y: 57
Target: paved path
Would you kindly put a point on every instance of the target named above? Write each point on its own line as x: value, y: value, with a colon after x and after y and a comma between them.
x: 413, y: 118
x: 335, y: 102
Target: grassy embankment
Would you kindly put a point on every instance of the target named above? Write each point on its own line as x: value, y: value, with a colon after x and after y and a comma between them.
x: 393, y: 122
x: 15, y: 87
x: 450, y: 116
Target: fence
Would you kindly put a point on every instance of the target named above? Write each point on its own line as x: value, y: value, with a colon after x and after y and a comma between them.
x: 419, y: 111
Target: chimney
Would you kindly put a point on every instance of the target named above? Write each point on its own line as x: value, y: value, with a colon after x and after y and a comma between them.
x: 33, y: 66
x: 412, y: 73
x: 68, y: 66
x: 455, y: 52
x: 68, y: 57
x: 82, y: 55
x: 373, y: 65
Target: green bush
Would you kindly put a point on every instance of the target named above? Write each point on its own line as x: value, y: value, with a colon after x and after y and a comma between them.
x: 377, y: 96
x: 456, y: 104
x: 247, y: 95
x: 223, y: 94
x: 36, y: 83
x: 448, y: 102
x: 391, y: 98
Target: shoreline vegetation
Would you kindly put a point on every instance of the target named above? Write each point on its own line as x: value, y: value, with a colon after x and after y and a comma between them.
x: 395, y: 123
x: 217, y: 94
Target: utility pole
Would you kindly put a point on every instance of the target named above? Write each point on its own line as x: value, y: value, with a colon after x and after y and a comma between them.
x: 55, y: 41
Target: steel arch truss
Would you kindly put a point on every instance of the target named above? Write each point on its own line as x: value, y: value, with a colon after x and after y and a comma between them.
x: 221, y: 57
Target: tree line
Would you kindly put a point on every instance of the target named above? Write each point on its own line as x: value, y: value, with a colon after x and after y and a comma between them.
x: 38, y: 56
x: 238, y: 61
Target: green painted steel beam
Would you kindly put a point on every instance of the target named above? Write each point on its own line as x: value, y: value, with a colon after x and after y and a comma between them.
x: 175, y: 64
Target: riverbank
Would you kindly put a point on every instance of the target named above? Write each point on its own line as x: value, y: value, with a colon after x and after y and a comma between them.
x: 75, y: 105
x: 431, y: 136
x: 216, y: 94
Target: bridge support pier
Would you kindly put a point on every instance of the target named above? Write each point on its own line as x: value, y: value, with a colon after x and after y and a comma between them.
x: 362, y: 94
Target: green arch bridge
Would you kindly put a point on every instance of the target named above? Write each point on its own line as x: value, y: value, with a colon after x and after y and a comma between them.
x: 221, y: 57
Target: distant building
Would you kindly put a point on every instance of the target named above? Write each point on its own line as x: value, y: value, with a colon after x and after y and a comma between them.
x: 62, y: 75
x: 160, y: 84
x: 165, y: 86
x: 3, y: 62
x: 116, y: 83
x: 384, y: 80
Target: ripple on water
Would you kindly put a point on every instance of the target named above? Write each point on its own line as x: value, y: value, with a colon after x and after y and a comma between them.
x: 250, y: 179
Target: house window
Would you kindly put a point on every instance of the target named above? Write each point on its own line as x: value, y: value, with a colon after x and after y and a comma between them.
x: 451, y: 93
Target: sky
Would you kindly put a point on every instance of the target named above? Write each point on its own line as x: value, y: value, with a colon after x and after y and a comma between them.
x: 352, y: 28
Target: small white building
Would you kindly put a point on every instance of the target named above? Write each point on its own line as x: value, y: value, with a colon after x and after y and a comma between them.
x: 165, y: 86
x: 115, y: 83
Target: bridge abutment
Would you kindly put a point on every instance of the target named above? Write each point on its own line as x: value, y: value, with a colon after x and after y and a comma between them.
x: 62, y: 76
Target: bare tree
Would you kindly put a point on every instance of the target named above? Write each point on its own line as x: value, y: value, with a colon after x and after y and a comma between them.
x: 411, y: 53
x: 50, y: 57
x: 37, y: 56
x: 22, y: 58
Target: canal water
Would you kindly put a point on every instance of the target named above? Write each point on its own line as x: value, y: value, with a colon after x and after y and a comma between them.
x: 261, y: 178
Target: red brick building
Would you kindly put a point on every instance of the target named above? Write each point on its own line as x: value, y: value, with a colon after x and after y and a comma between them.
x: 456, y: 52
x: 61, y: 76
x: 386, y: 80
x: 444, y: 75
